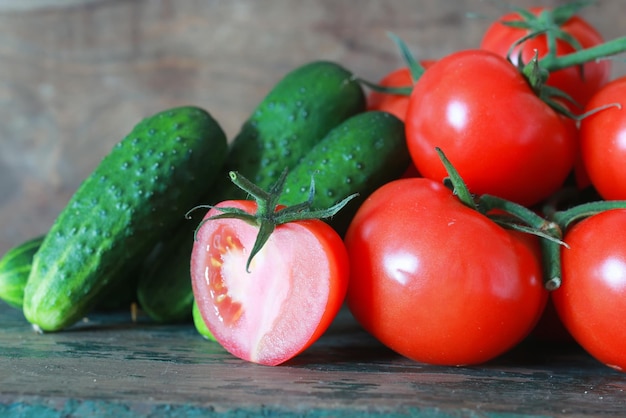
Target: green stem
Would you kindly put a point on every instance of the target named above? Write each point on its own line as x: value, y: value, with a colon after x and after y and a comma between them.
x: 414, y: 66
x: 567, y: 217
x: 553, y: 63
x: 551, y: 261
x: 458, y: 185
x: 488, y: 203
x: 549, y: 233
x: 564, y: 219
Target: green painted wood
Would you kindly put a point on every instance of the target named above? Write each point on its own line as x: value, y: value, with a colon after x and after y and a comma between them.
x: 112, y: 366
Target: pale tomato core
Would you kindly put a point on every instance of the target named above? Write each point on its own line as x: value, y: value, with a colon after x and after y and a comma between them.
x: 269, y: 314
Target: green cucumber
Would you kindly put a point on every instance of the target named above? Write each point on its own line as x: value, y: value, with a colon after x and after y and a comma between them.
x: 15, y: 267
x: 357, y: 156
x: 164, y: 290
x: 297, y: 112
x: 199, y: 323
x: 137, y: 194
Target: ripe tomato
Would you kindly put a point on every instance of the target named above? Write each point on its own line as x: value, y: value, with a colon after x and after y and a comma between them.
x: 580, y: 85
x: 591, y: 299
x: 396, y: 104
x: 438, y: 282
x: 602, y: 141
x: 295, y: 287
x: 498, y: 134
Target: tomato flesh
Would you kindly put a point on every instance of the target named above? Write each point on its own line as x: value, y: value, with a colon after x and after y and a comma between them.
x: 294, y: 287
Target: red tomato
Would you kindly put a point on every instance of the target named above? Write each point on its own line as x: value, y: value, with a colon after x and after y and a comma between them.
x: 295, y: 287
x: 580, y: 85
x: 603, y: 141
x: 591, y: 301
x: 396, y: 104
x: 498, y: 134
x: 438, y: 282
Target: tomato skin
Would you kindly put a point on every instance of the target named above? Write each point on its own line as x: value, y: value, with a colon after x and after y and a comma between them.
x: 591, y: 299
x: 297, y: 285
x: 426, y: 286
x: 603, y: 149
x: 395, y: 104
x: 501, y: 138
x: 579, y: 85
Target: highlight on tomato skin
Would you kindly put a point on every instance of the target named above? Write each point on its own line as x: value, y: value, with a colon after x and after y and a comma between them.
x: 460, y: 291
x: 502, y: 138
x: 294, y: 288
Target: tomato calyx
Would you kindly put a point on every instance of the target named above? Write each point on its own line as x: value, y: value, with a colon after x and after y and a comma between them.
x: 269, y: 214
x: 537, y: 76
x: 549, y: 23
x: 503, y: 212
x: 415, y: 68
x: 511, y: 215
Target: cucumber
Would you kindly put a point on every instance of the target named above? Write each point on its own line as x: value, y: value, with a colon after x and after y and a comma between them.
x: 15, y: 267
x: 357, y: 156
x: 164, y: 290
x: 199, y: 323
x: 297, y: 112
x: 137, y: 194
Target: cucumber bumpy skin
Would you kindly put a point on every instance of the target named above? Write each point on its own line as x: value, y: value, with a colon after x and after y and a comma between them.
x: 296, y: 114
x: 138, y: 193
x: 357, y: 156
x: 15, y: 267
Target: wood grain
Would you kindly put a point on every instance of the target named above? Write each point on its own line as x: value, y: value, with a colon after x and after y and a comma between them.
x: 110, y: 366
x: 75, y: 76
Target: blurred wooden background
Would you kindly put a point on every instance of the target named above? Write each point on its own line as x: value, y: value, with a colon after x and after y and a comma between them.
x: 76, y: 75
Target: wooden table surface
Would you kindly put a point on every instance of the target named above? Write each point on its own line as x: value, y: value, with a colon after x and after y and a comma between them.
x: 112, y: 366
x: 76, y: 75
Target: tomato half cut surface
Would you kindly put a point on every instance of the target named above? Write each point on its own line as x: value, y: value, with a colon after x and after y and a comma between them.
x: 292, y: 291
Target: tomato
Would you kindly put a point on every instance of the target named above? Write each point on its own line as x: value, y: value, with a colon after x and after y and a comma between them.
x: 498, y: 134
x: 395, y: 104
x: 295, y: 287
x: 580, y: 85
x: 591, y: 299
x: 439, y: 282
x: 603, y: 141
